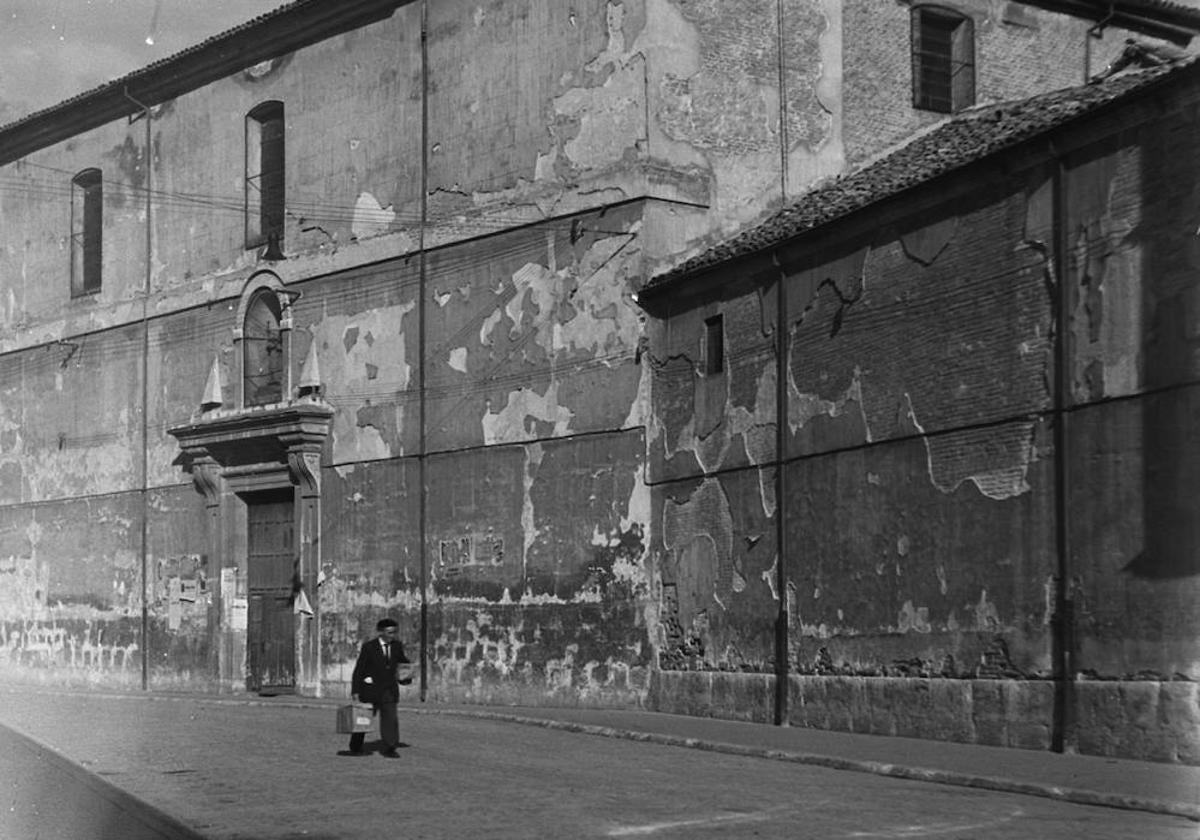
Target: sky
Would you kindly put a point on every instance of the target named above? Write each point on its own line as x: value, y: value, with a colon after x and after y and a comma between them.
x: 51, y: 50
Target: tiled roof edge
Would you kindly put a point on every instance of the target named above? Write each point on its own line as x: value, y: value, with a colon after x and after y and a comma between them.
x: 763, y: 236
x: 191, y: 68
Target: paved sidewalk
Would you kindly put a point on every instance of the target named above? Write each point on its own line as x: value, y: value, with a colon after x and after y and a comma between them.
x: 1131, y: 785
x: 1086, y: 780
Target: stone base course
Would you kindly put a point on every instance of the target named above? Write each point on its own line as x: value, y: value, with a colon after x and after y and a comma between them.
x: 1143, y: 720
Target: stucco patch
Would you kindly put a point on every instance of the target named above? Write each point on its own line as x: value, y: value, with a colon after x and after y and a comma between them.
x: 540, y: 285
x: 802, y: 408
x: 488, y: 326
x: 757, y: 428
x: 593, y: 123
x: 364, y: 374
x: 510, y: 424
x: 698, y: 533
x: 370, y: 218
x: 24, y: 583
x: 995, y: 459
x: 605, y: 322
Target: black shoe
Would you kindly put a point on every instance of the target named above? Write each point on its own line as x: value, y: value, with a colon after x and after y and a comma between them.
x: 390, y: 754
x: 352, y: 752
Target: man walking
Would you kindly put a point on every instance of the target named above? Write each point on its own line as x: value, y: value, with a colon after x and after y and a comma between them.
x: 375, y: 682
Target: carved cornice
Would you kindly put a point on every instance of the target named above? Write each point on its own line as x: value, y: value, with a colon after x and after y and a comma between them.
x: 287, y: 436
x: 301, y: 421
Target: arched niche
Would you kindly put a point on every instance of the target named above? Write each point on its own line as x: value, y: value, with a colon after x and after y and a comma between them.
x: 262, y: 337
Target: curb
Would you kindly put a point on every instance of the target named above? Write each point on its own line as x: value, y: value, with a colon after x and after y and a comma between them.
x: 152, y: 817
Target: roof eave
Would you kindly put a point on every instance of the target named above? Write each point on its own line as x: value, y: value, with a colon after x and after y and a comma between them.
x: 1178, y: 27
x: 268, y: 37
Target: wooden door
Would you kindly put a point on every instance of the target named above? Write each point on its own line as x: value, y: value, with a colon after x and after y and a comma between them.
x: 271, y: 554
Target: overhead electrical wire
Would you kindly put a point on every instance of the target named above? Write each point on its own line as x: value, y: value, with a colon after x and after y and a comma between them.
x: 302, y: 212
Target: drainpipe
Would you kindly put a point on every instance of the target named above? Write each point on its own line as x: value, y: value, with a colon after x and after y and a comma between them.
x: 783, y: 109
x: 421, y: 284
x: 782, y: 653
x: 145, y: 430
x: 1063, y: 622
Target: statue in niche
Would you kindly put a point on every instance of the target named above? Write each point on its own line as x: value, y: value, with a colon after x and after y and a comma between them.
x: 263, y: 348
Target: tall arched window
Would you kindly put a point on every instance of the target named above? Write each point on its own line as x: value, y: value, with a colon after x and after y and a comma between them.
x: 87, y: 221
x: 943, y: 59
x: 263, y: 357
x: 264, y: 174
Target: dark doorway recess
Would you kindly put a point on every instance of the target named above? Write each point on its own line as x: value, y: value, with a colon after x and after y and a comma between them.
x: 271, y: 558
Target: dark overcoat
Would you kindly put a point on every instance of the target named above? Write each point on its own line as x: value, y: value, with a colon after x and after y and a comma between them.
x: 373, y: 662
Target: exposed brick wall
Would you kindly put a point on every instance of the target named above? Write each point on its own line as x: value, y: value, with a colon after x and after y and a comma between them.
x: 1017, y: 53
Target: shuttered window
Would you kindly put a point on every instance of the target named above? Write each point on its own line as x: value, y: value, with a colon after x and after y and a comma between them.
x: 943, y: 59
x: 264, y: 174
x: 87, y: 223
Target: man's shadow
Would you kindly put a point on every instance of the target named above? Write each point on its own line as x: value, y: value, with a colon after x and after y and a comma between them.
x: 370, y: 747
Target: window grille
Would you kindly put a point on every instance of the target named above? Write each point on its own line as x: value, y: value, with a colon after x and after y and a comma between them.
x: 943, y: 60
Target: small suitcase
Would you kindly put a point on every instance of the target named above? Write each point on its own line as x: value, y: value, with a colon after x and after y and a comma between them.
x: 355, y: 717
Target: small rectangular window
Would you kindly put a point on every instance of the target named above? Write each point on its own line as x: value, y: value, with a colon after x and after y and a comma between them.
x: 714, y: 344
x: 943, y: 60
x: 87, y: 223
x: 264, y: 174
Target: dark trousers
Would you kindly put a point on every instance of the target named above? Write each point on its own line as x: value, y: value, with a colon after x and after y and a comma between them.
x: 389, y: 728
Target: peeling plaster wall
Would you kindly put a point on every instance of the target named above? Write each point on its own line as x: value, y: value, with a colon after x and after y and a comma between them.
x: 534, y: 333
x: 605, y: 102
x: 542, y: 585
x: 352, y: 189
x: 621, y: 135
x: 518, y: 519
x: 903, y: 578
x: 532, y: 337
x: 343, y: 174
x: 71, y: 592
x: 52, y: 444
x: 709, y: 421
x: 874, y: 358
x: 725, y: 101
x: 537, y: 576
x: 715, y: 576
x: 921, y: 487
